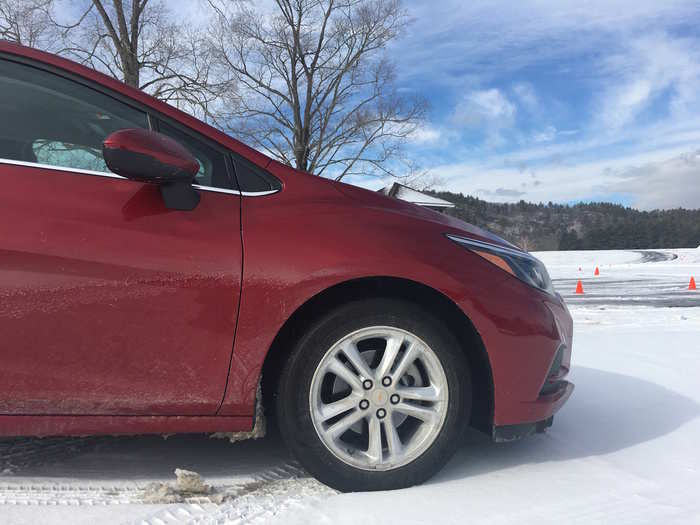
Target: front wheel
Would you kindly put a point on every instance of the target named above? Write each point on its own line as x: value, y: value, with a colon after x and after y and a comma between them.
x: 375, y: 396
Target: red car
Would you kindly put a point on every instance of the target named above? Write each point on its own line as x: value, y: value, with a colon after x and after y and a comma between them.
x: 158, y: 276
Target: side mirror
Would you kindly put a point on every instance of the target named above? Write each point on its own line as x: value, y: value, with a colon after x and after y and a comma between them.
x: 147, y: 156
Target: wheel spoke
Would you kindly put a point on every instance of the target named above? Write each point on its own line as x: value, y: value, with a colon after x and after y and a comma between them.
x: 407, y: 359
x: 344, y: 373
x: 392, y: 439
x: 351, y: 352
x: 426, y: 414
x: 337, y: 429
x: 331, y: 410
x: 374, y: 450
x: 393, y: 345
x: 420, y: 393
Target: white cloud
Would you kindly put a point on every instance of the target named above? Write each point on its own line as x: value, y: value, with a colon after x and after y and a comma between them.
x: 527, y: 98
x: 548, y: 134
x: 489, y: 106
x: 672, y: 175
x: 488, y: 113
x: 523, y: 33
x: 645, y: 70
x: 426, y: 134
x: 669, y: 184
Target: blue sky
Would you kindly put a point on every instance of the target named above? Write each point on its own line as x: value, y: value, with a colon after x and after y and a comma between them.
x: 554, y: 100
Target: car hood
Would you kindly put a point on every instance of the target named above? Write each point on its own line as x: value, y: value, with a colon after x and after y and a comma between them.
x: 305, y: 185
x: 389, y: 204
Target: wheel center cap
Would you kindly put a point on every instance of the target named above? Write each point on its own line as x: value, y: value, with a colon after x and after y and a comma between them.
x: 380, y: 397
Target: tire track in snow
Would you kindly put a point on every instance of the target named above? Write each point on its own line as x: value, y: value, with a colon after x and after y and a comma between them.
x: 254, y: 503
x: 651, y: 256
x: 22, y: 453
x: 253, y: 500
x: 57, y: 494
x: 76, y: 494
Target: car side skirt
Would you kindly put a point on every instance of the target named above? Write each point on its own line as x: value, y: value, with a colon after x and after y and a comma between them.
x: 43, y: 426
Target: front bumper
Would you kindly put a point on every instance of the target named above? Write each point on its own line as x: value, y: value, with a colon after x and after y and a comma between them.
x: 548, y: 404
x: 527, y: 336
x: 536, y: 413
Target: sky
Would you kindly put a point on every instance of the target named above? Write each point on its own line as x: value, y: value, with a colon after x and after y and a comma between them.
x: 558, y: 101
x: 553, y: 100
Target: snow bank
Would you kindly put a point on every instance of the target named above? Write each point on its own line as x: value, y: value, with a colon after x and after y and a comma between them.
x: 621, y: 263
x: 571, y: 259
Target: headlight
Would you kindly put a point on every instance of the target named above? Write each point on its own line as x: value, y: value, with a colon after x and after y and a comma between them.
x: 519, y: 264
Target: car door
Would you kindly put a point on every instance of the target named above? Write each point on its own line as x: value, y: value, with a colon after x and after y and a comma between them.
x: 110, y: 303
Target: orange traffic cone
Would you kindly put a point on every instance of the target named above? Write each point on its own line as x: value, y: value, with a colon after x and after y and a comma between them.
x: 597, y: 271
x: 692, y: 286
x: 579, y: 287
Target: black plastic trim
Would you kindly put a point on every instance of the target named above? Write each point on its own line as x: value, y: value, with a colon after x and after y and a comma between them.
x: 246, y: 169
x: 179, y: 196
x: 506, y: 433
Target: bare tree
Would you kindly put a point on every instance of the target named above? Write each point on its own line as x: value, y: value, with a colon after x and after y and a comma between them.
x: 423, y: 180
x: 314, y: 87
x: 136, y: 41
x: 28, y: 22
x: 140, y: 43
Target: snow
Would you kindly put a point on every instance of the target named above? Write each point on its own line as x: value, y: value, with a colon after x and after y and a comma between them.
x: 404, y: 193
x: 624, y: 449
x: 620, y: 262
x: 188, y: 485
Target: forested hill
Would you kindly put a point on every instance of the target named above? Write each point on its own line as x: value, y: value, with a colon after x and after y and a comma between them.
x: 594, y: 226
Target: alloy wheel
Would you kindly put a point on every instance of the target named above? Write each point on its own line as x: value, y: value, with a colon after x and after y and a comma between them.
x: 378, y: 398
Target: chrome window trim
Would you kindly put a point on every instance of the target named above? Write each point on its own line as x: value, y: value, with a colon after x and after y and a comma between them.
x: 216, y: 190
x: 256, y: 193
x: 115, y: 176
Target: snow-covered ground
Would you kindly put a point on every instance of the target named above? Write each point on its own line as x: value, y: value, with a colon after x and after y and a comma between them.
x: 625, y: 449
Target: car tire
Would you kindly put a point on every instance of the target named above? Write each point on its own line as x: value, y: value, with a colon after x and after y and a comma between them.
x: 424, y: 432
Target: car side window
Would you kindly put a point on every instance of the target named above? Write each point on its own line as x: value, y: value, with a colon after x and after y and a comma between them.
x: 212, y: 162
x: 52, y: 120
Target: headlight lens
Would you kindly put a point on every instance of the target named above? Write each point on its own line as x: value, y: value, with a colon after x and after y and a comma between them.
x: 519, y: 264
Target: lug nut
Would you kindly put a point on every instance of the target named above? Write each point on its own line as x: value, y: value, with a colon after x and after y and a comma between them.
x: 394, y: 399
x: 381, y: 413
x: 367, y: 384
x: 386, y: 381
x: 364, y: 404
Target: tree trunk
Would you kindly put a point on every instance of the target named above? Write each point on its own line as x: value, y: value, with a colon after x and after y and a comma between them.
x: 131, y: 70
